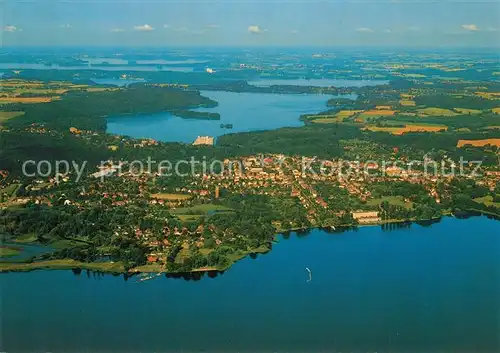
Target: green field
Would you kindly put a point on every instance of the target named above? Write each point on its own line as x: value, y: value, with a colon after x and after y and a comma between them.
x: 199, y: 209
x: 487, y: 200
x: 62, y: 264
x: 10, y: 190
x: 433, y: 111
x: 194, y: 213
x: 4, y: 116
x: 326, y: 121
x: 393, y: 200
x: 6, y: 251
x: 26, y: 238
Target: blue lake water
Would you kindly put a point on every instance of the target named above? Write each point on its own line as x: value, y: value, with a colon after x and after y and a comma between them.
x: 246, y: 111
x: 21, y: 66
x: 26, y: 250
x: 119, y: 61
x: 117, y: 81
x: 319, y: 82
x: 419, y: 289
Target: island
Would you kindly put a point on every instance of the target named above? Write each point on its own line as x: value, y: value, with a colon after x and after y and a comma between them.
x: 189, y: 114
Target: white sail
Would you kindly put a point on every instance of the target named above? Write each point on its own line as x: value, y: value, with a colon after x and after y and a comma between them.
x: 310, y: 274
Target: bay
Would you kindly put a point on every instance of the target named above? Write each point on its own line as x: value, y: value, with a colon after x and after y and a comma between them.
x: 433, y: 288
x: 246, y: 111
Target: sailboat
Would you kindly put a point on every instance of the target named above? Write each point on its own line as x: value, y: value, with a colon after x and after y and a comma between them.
x: 310, y: 274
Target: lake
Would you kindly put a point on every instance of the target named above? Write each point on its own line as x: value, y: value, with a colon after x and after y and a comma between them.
x: 117, y: 81
x: 34, y: 66
x: 411, y: 289
x: 246, y: 111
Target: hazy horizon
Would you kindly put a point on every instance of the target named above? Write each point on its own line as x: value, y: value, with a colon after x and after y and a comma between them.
x: 243, y: 23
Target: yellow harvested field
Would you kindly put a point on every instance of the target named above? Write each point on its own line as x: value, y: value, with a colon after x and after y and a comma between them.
x: 479, y: 143
x: 377, y: 113
x: 408, y: 128
x: 488, y: 95
x: 467, y: 111
x: 383, y: 107
x: 347, y: 113
x: 406, y: 96
x: 407, y: 103
x: 334, y: 118
x: 493, y: 127
x: 436, y: 112
x: 496, y: 110
x: 38, y: 91
x: 171, y: 197
x: 27, y: 100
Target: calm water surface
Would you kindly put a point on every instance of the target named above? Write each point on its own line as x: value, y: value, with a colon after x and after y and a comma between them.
x: 14, y: 66
x: 417, y: 289
x: 117, y: 81
x: 246, y: 111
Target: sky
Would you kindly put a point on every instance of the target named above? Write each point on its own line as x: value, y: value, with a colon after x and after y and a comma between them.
x: 250, y: 22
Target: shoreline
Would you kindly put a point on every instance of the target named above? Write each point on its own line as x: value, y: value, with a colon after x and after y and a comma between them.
x: 117, y: 267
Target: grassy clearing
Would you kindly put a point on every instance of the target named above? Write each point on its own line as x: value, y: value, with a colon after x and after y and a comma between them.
x: 64, y: 244
x: 188, y: 218
x: 479, y: 143
x: 26, y: 238
x: 194, y: 213
x: 200, y: 209
x: 407, y: 103
x: 393, y: 200
x: 27, y: 100
x: 326, y: 121
x: 4, y: 116
x: 487, y: 200
x: 462, y: 129
x: 335, y: 118
x: 62, y: 264
x: 7, y: 251
x: 242, y: 254
x: 171, y: 197
x: 436, y: 112
x: 10, y: 190
x: 467, y: 111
